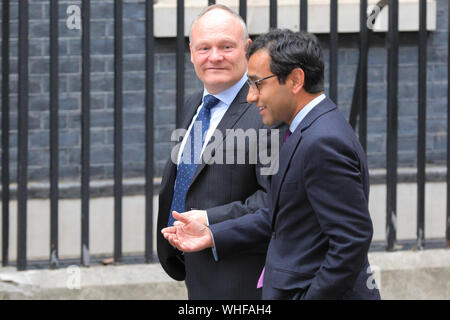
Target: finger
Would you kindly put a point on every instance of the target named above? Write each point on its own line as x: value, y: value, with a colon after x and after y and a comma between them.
x: 175, y: 242
x: 180, y: 217
x: 167, y: 236
x: 178, y: 224
x: 169, y: 230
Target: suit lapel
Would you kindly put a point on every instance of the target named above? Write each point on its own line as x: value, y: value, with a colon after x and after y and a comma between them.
x: 286, y: 153
x: 191, y: 108
x: 290, y: 146
x: 231, y: 116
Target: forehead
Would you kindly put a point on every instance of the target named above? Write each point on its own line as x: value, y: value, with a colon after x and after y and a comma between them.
x: 217, y: 24
x: 259, y: 64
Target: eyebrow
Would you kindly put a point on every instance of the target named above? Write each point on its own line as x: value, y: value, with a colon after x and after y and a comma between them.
x: 252, y: 77
x: 220, y: 41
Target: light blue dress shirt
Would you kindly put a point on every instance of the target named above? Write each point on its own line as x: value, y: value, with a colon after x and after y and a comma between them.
x: 304, y: 111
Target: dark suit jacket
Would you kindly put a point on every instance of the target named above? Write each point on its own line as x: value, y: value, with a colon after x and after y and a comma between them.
x: 318, y: 223
x: 226, y: 191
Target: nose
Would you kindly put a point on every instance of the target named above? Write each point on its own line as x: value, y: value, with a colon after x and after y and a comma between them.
x: 215, y: 55
x: 252, y: 95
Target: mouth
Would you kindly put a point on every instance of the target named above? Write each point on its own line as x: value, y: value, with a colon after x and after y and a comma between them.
x: 261, y: 109
x: 218, y: 69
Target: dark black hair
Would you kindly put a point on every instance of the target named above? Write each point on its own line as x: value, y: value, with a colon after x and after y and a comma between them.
x: 289, y: 50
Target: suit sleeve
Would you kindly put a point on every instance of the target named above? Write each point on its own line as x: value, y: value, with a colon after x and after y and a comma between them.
x: 237, y: 209
x: 259, y: 199
x: 235, y: 236
x: 334, y: 184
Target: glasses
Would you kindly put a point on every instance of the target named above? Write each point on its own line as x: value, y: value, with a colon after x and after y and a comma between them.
x: 255, y: 83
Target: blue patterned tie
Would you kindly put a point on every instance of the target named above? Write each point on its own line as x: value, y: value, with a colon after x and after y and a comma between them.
x: 191, y: 156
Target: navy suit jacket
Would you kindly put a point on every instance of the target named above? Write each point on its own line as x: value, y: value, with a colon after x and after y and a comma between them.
x: 318, y: 222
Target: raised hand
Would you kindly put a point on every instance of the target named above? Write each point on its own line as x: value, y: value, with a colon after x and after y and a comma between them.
x: 197, y: 215
x: 187, y: 234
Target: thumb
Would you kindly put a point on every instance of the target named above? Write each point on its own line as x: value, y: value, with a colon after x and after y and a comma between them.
x: 180, y: 217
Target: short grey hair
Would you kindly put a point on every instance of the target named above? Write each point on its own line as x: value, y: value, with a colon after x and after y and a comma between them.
x: 227, y: 9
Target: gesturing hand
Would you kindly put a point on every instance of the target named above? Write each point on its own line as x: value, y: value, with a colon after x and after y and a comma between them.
x: 197, y: 215
x: 187, y: 234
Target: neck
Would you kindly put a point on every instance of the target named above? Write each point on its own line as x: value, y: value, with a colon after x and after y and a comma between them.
x: 302, y: 100
x: 216, y: 90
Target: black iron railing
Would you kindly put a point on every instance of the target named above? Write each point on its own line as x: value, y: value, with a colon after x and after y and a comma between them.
x: 358, y: 116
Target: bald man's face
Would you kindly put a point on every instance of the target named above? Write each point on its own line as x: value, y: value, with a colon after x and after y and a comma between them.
x: 218, y: 50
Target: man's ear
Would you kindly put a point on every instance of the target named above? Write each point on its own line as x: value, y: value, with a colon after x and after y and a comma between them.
x: 297, y: 80
x: 190, y: 48
x: 247, y: 45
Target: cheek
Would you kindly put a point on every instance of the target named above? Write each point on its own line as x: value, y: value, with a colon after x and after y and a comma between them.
x: 237, y: 59
x: 198, y: 59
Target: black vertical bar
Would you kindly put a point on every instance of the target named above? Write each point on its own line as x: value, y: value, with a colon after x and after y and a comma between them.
x: 180, y: 61
x: 304, y: 15
x: 243, y: 9
x: 85, y: 135
x: 211, y: 2
x: 334, y: 49
x: 392, y: 126
x: 421, y: 138
x: 448, y: 131
x: 363, y: 56
x: 273, y: 14
x: 118, y: 127
x: 354, y: 111
x: 22, y: 152
x: 5, y: 134
x: 149, y: 96
x: 54, y: 193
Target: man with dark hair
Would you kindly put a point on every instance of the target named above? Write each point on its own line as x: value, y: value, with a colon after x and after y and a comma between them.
x: 317, y: 224
x: 218, y: 45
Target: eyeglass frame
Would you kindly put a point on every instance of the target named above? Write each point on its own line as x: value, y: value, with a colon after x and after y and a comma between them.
x: 255, y: 84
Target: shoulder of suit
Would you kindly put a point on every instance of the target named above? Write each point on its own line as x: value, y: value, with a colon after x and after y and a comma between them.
x: 252, y: 112
x: 330, y: 129
x: 195, y: 97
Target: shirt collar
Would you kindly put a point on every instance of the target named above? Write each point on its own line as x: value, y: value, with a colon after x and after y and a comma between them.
x: 305, y: 110
x: 227, y: 96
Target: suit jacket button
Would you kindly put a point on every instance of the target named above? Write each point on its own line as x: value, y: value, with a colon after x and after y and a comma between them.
x: 273, y: 235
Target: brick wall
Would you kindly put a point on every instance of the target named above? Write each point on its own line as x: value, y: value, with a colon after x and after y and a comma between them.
x: 102, y: 95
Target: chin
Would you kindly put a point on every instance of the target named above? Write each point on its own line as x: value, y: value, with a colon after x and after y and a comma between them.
x: 218, y: 86
x: 268, y: 122
x: 218, y: 80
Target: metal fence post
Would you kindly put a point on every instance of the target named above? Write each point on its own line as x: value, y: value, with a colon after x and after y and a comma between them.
x: 22, y: 154
x: 54, y: 105
x: 5, y: 134
x: 392, y: 127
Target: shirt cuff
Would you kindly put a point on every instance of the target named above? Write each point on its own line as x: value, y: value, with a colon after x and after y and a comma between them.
x: 213, y: 249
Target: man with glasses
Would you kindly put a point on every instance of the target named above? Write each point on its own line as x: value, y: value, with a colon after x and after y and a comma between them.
x: 318, y: 222
x: 211, y: 193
